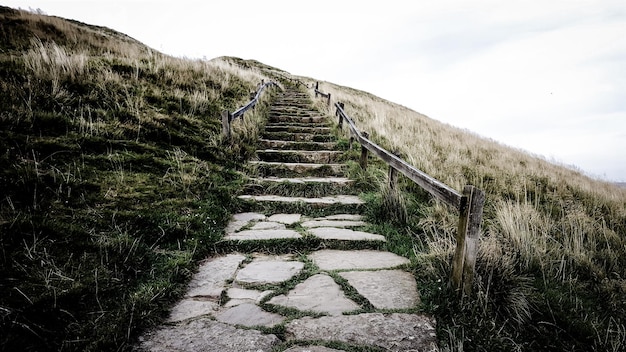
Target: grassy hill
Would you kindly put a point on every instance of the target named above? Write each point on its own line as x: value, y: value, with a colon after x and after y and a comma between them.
x: 114, y: 178
x: 551, y: 266
x: 115, y: 181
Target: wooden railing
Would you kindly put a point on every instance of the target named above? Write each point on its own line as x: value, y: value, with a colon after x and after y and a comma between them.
x: 228, y: 117
x: 318, y: 92
x: 469, y: 202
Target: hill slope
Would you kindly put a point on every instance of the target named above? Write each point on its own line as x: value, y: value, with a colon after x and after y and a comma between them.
x: 113, y: 175
x: 115, y: 182
x: 551, y: 259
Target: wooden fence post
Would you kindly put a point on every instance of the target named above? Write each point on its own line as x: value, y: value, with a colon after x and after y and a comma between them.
x: 226, y: 124
x: 363, y: 161
x: 328, y: 99
x: 464, y: 261
x: 393, y: 174
x: 341, y: 105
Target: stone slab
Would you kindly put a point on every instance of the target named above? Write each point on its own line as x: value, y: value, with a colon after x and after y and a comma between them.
x: 212, y: 275
x: 303, y: 180
x: 392, y: 332
x: 338, y: 199
x: 239, y: 296
x: 261, y: 272
x: 319, y: 293
x: 385, y: 289
x: 190, y: 308
x: 248, y: 217
x: 350, y: 217
x: 287, y: 219
x: 311, y: 349
x: 268, y: 225
x: 332, y: 233
x: 251, y: 235
x: 206, y: 335
x: 333, y: 223
x: 249, y: 314
x: 331, y: 259
x: 242, y: 219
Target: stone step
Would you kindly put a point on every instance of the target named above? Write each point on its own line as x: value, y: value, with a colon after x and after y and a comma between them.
x: 297, y: 129
x: 300, y: 186
x: 296, y: 145
x: 389, y: 332
x: 298, y: 137
x: 304, y: 180
x: 299, y: 156
x: 312, y: 119
x: 277, y: 169
x: 342, y: 199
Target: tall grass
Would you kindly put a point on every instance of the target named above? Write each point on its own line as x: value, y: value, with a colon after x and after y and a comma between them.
x: 114, y: 179
x: 553, y: 243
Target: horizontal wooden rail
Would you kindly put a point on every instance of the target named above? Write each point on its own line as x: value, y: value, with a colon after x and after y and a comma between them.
x: 431, y: 185
x: 318, y: 92
x: 227, y: 117
x: 469, y: 203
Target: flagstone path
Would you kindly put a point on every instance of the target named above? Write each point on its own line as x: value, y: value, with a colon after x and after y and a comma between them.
x: 303, y: 275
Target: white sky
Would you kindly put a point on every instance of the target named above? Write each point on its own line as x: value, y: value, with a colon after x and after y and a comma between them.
x: 547, y: 76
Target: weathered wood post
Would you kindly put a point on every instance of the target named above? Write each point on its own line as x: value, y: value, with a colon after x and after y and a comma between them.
x: 226, y: 117
x: 341, y: 105
x: 328, y: 99
x: 317, y: 85
x: 464, y: 261
x: 363, y: 160
x: 393, y: 174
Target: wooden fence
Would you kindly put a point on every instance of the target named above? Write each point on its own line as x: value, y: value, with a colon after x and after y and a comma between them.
x: 228, y: 117
x: 469, y: 202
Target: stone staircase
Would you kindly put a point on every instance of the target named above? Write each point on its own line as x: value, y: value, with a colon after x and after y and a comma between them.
x: 301, y: 273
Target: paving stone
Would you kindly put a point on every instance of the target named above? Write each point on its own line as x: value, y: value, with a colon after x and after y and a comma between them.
x: 331, y: 259
x: 338, y: 199
x: 333, y: 223
x: 248, y: 235
x: 349, y: 217
x: 249, y: 314
x: 268, y: 271
x: 190, y: 308
x: 287, y: 219
x: 239, y: 296
x: 311, y: 349
x: 268, y: 225
x: 248, y: 217
x: 212, y: 275
x: 242, y: 219
x: 206, y: 335
x: 392, y: 332
x: 319, y: 293
x: 385, y: 289
x: 302, y: 180
x: 332, y: 233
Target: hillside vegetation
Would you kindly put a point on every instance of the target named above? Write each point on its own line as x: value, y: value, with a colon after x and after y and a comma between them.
x: 113, y: 175
x: 115, y: 182
x: 552, y: 258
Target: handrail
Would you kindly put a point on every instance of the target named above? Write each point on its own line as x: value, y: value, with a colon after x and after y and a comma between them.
x: 318, y: 92
x: 227, y: 117
x: 433, y: 186
x: 469, y: 203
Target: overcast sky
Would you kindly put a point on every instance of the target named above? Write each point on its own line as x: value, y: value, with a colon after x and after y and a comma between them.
x: 546, y: 76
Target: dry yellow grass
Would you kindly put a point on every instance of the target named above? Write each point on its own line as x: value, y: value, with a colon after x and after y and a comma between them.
x: 542, y: 220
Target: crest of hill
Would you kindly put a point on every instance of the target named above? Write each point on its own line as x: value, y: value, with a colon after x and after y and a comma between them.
x: 19, y: 27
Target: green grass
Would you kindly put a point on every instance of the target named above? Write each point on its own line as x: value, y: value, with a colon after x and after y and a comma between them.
x: 115, y: 180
